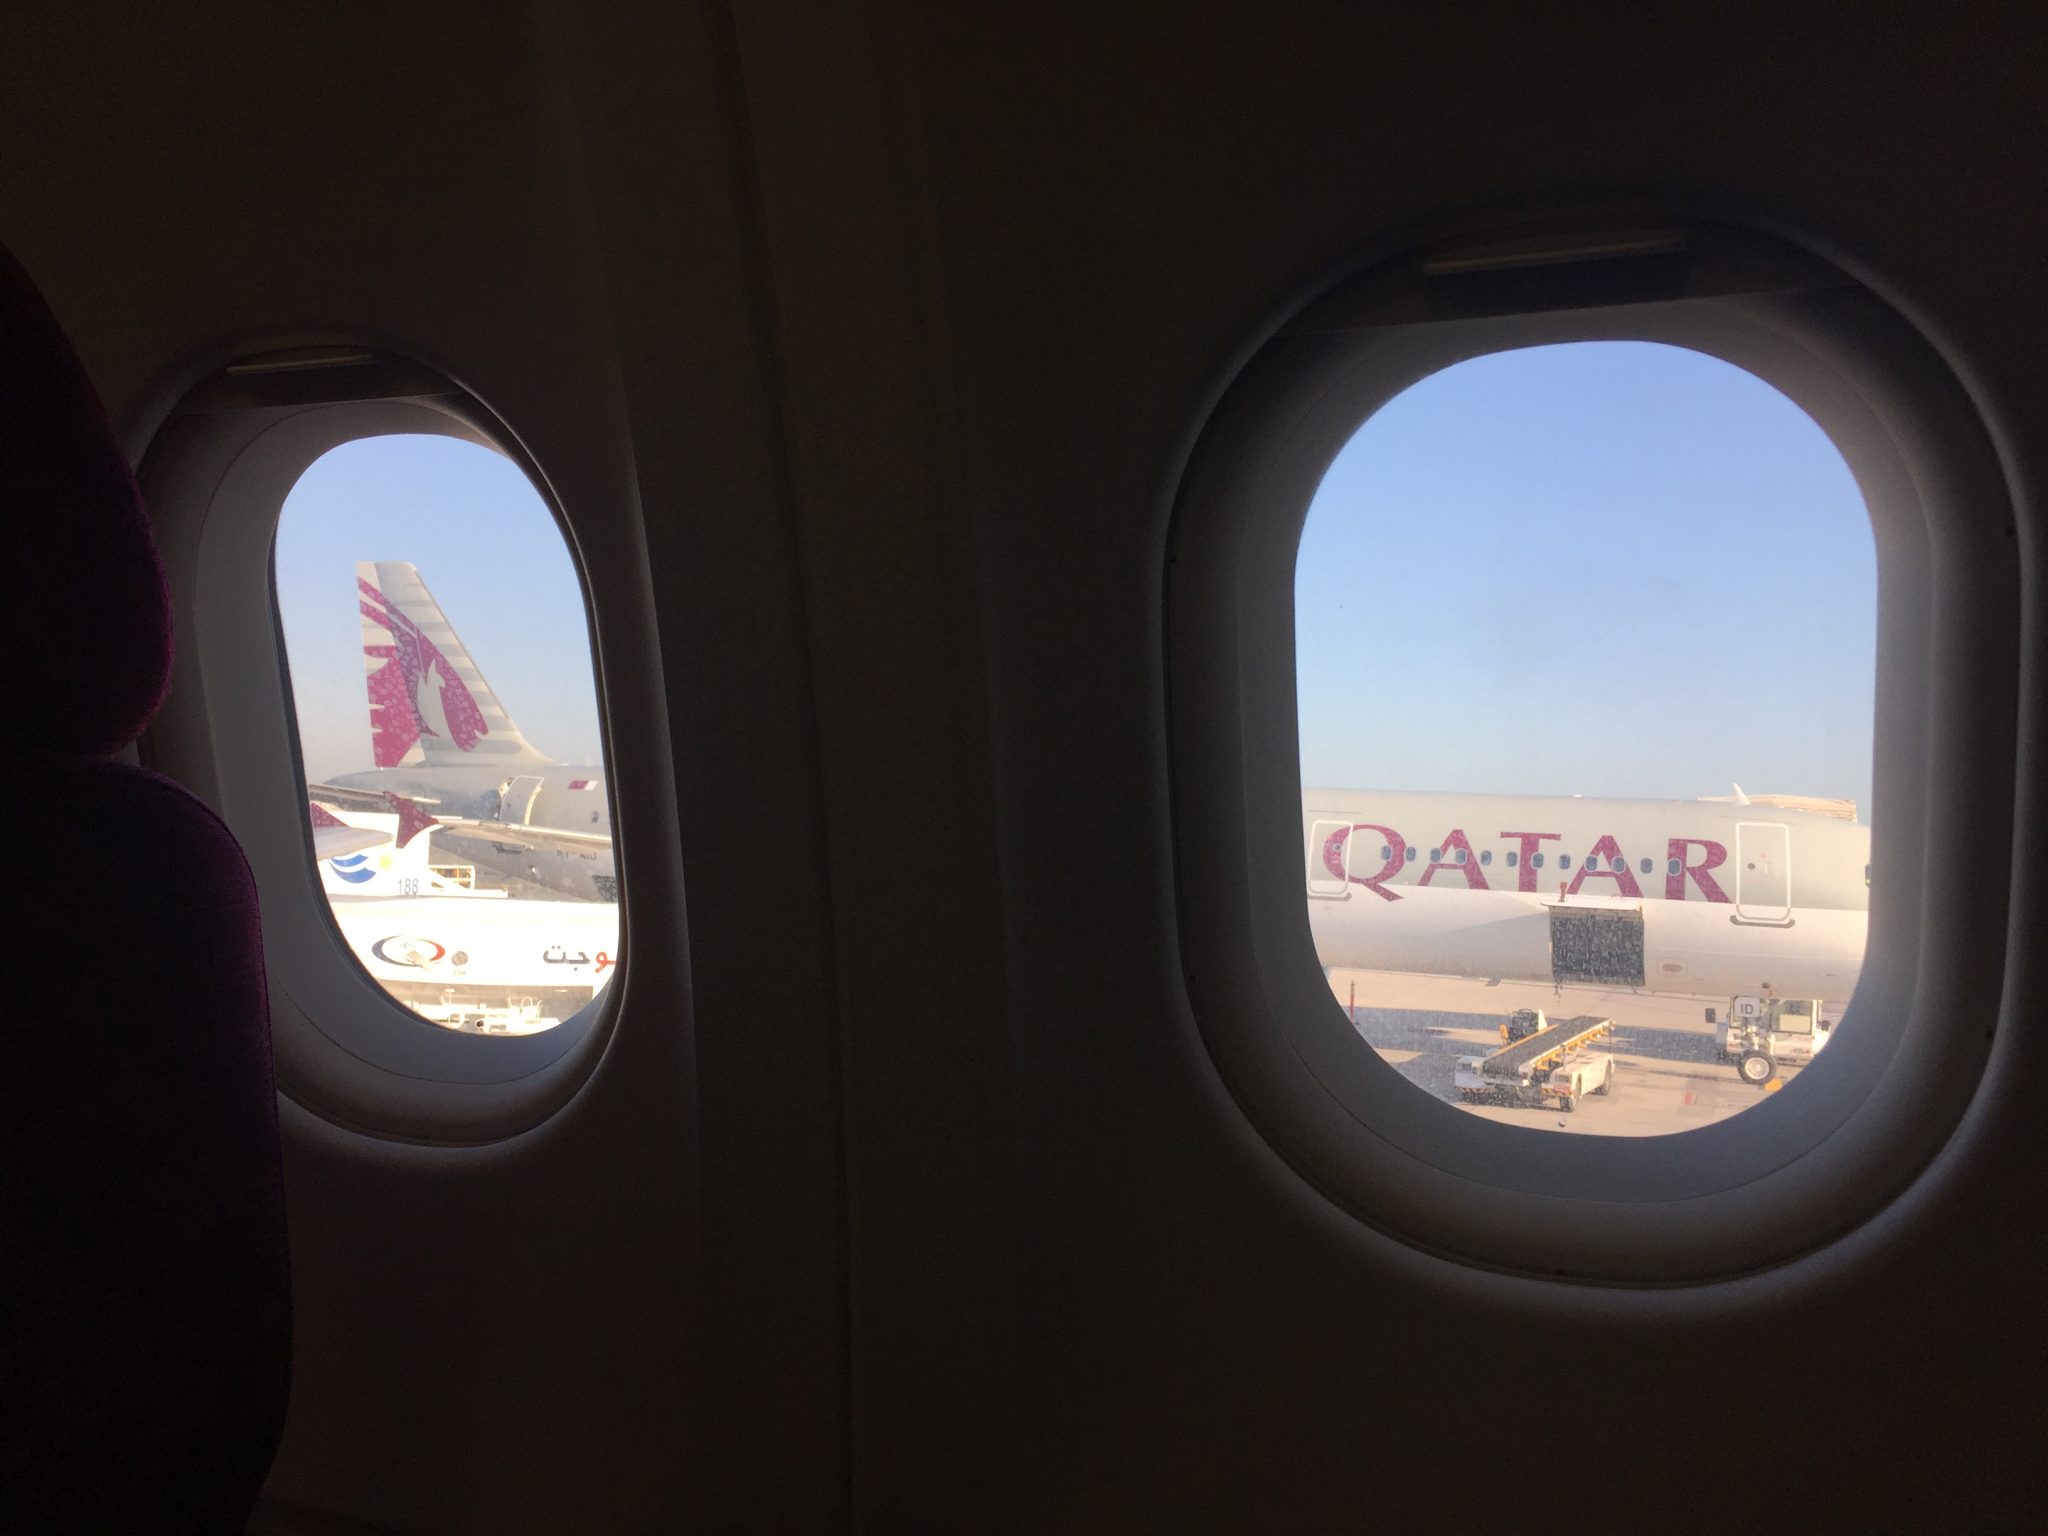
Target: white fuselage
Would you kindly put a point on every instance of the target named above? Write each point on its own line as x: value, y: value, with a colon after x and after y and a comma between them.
x: 472, y: 943
x: 1706, y: 897
x: 563, y: 796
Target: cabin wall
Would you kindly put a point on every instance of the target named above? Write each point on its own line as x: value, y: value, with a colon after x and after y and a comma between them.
x: 872, y: 340
x: 1128, y: 206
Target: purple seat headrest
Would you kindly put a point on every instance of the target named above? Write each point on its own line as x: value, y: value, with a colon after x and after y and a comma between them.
x: 87, y: 620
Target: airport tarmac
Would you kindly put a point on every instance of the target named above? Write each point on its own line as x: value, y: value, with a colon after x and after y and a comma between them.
x: 1668, y: 1071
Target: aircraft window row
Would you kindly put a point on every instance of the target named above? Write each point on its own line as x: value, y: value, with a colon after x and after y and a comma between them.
x: 469, y: 869
x: 1615, y: 863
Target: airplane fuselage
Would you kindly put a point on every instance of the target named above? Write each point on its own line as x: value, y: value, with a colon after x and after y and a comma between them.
x: 566, y: 797
x: 1691, y: 896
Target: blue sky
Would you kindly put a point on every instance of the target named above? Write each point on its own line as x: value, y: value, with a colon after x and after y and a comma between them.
x: 487, y: 548
x: 1608, y: 568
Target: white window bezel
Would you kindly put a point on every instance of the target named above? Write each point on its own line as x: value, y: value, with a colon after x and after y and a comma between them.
x: 1787, y: 1175
x: 217, y: 477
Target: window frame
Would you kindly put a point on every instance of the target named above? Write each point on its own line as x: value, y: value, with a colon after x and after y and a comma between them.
x: 1799, y: 1168
x: 217, y: 476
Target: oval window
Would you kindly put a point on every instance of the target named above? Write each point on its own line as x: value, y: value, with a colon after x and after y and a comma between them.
x: 460, y: 824
x: 1582, y: 998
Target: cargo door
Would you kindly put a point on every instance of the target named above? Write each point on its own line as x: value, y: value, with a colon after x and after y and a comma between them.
x: 515, y: 800
x: 1763, y: 872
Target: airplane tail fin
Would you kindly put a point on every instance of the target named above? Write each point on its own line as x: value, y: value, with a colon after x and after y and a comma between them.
x: 428, y: 701
x: 369, y: 853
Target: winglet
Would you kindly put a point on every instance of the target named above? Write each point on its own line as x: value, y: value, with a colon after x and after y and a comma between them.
x: 334, y: 838
x: 1740, y: 797
x: 412, y: 821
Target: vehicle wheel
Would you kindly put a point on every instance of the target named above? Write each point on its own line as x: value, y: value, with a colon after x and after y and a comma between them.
x: 1567, y: 1104
x: 1606, y: 1082
x: 1756, y: 1068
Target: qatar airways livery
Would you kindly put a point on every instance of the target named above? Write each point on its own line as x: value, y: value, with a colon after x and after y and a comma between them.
x: 1712, y: 897
x: 447, y: 754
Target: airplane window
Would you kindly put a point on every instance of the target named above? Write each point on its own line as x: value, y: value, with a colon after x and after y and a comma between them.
x: 459, y: 821
x: 1603, y: 467
x: 1717, y: 432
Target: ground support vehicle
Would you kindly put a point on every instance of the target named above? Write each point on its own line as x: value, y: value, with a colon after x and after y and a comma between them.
x: 1765, y: 1034
x: 1542, y: 1063
x: 514, y: 1016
